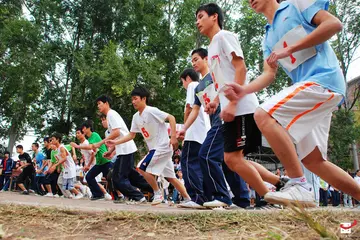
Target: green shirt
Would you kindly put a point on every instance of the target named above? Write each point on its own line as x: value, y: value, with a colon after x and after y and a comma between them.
x: 53, y: 159
x: 95, y: 138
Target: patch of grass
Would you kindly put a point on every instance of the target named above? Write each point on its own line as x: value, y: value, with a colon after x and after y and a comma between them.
x: 66, y: 224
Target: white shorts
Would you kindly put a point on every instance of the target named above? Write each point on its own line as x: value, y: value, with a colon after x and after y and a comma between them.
x: 158, y: 163
x: 304, y: 110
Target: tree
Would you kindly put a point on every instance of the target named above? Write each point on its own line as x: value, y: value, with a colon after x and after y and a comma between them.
x: 21, y: 68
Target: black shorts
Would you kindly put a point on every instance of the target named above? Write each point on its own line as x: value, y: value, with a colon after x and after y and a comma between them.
x: 26, y: 173
x: 242, y: 134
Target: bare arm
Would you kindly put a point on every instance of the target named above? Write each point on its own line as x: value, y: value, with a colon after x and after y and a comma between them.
x: 173, y: 140
x: 188, y: 110
x: 327, y: 26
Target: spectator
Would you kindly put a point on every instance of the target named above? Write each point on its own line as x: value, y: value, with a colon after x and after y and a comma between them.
x: 7, y: 166
x: 347, y: 198
x: 324, y: 195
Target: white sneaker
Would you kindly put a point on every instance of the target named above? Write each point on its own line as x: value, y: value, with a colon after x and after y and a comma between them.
x: 190, y: 204
x: 133, y: 202
x: 291, y: 194
x: 56, y: 196
x: 158, y: 198
x: 215, y: 203
x: 88, y: 192
x: 49, y: 195
x: 79, y: 196
x: 108, y: 197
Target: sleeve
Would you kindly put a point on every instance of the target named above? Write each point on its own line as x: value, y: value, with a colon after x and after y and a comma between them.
x: 196, y: 100
x: 28, y: 158
x: 134, y: 127
x: 190, y: 94
x: 230, y: 44
x: 309, y: 8
x: 266, y: 50
x: 114, y: 120
x: 97, y: 138
x: 159, y: 115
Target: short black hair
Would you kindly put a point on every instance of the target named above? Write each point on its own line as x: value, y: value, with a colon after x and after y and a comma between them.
x: 203, y: 53
x: 104, y: 99
x: 88, y: 124
x: 6, y: 152
x: 141, y: 92
x: 79, y: 128
x: 20, y: 146
x: 46, y: 139
x: 191, y: 73
x: 211, y: 9
x: 36, y: 144
x: 102, y: 116
x: 57, y: 136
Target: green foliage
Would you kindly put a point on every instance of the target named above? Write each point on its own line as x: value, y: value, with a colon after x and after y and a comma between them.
x: 343, y: 132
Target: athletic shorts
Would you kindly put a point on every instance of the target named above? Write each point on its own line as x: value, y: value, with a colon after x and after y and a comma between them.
x: 158, y: 163
x: 68, y: 183
x: 242, y: 134
x: 304, y: 110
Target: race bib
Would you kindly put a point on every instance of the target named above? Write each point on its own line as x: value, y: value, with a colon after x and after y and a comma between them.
x: 207, y: 95
x: 216, y: 73
x: 296, y: 59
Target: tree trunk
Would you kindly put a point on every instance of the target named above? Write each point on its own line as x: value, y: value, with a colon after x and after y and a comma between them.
x: 355, y: 156
x: 12, y: 137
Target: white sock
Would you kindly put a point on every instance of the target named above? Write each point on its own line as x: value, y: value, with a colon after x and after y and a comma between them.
x: 299, y: 180
x: 158, y: 192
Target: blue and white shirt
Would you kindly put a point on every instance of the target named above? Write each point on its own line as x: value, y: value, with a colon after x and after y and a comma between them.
x: 292, y: 22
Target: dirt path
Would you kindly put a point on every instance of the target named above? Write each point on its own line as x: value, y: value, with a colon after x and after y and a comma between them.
x: 35, y: 217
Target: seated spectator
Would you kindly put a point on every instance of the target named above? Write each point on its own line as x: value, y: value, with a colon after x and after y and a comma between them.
x: 7, y: 166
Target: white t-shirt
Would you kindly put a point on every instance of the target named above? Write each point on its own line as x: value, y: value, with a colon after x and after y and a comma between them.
x: 357, y: 179
x: 69, y: 170
x: 198, y: 130
x: 115, y: 121
x: 86, y: 153
x: 222, y: 71
x: 151, y: 124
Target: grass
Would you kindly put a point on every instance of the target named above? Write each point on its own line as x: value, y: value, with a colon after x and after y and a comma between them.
x: 24, y: 222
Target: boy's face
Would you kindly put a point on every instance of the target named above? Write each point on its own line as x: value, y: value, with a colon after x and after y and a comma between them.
x: 33, y: 147
x: 79, y: 135
x: 54, y: 141
x: 52, y: 146
x: 186, y: 81
x: 6, y: 155
x: 138, y: 102
x: 18, y: 150
x: 198, y: 63
x: 102, y: 106
x: 204, y: 22
x: 104, y: 122
x: 179, y: 173
x: 258, y: 5
x: 85, y: 130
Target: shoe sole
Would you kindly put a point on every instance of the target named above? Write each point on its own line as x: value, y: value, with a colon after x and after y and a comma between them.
x: 182, y: 206
x: 287, y: 202
x: 155, y: 203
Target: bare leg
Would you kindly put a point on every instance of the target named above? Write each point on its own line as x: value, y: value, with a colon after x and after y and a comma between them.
x: 265, y: 174
x: 280, y: 142
x: 331, y: 173
x: 22, y: 187
x: 48, y: 188
x: 236, y: 162
x: 150, y: 179
x: 102, y: 188
x: 178, y: 185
